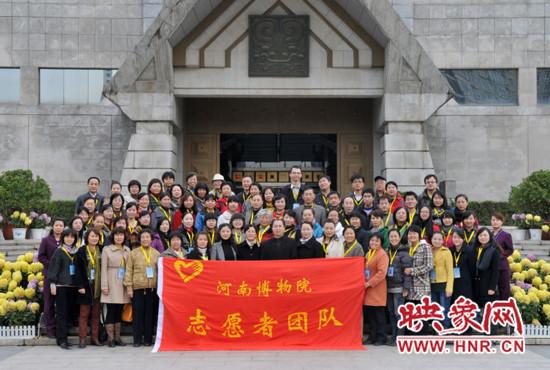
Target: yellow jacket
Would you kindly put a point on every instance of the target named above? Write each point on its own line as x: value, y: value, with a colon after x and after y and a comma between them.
x: 136, y: 269
x: 443, y: 266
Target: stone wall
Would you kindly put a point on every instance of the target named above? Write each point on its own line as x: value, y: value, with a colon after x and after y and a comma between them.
x: 486, y: 149
x: 65, y: 143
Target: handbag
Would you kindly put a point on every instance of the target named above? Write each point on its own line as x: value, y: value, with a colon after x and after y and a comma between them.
x: 127, y: 313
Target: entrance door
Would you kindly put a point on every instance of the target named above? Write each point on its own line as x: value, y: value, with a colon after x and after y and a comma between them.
x: 201, y: 155
x: 267, y: 158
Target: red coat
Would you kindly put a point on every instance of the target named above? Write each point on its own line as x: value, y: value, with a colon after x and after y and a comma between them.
x: 399, y: 202
x: 376, y: 293
x: 178, y: 217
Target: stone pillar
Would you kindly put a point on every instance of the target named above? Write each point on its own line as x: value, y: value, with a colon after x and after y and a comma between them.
x: 406, y: 157
x: 151, y: 151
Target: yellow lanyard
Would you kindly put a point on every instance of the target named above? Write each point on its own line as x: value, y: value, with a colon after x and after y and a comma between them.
x: 204, y: 257
x: 252, y: 217
x: 238, y: 237
x: 245, y: 197
x: 471, y: 236
x: 439, y: 213
x: 479, y: 252
x: 190, y: 236
x: 212, y: 237
x: 68, y: 254
x: 157, y: 201
x: 122, y: 260
x: 370, y: 255
x: 387, y: 218
x: 403, y: 228
x: 346, y: 221
x: 167, y: 215
x: 448, y: 235
x: 392, y: 257
x: 423, y: 232
x: 295, y: 196
x: 358, y: 204
x: 291, y: 233
x: 392, y: 202
x: 412, y: 251
x: 457, y: 258
x: 92, y: 256
x: 325, y: 246
x: 147, y: 257
x: 325, y: 200
x: 130, y: 228
x: 101, y: 238
x: 351, y: 248
x: 261, y: 234
x: 411, y: 216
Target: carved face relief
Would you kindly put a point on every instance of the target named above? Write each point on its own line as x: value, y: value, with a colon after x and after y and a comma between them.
x: 278, y: 46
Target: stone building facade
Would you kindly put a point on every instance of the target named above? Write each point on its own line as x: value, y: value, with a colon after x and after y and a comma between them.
x: 376, y: 81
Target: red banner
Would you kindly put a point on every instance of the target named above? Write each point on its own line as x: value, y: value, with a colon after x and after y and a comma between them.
x: 260, y: 305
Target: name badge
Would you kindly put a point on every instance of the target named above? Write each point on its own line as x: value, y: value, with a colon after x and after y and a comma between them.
x: 456, y: 272
x: 295, y: 205
x: 92, y: 274
x: 121, y: 272
x: 71, y: 269
x: 390, y: 271
x: 149, y: 272
x: 367, y: 274
x: 432, y: 274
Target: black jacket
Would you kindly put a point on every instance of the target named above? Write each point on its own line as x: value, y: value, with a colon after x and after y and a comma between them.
x: 310, y: 249
x: 82, y: 261
x: 400, y: 262
x: 282, y: 248
x: 196, y: 255
x: 486, y: 274
x: 80, y: 201
x: 463, y: 286
x: 59, y: 270
x: 362, y: 237
x: 246, y: 252
x: 287, y: 192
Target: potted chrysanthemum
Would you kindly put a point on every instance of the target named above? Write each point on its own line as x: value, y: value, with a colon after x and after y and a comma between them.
x: 535, y: 224
x: 21, y: 222
x: 39, y: 224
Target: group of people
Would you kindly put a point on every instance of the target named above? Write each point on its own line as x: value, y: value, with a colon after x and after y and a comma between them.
x: 413, y: 245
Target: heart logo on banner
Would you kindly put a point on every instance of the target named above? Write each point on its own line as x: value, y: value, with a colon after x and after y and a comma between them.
x: 188, y: 270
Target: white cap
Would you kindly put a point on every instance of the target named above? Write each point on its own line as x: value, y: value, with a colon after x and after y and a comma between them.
x: 218, y: 177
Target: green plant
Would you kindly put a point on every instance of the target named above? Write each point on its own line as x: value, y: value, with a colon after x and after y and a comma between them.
x: 483, y: 211
x: 532, y: 195
x: 19, y: 191
x: 61, y: 209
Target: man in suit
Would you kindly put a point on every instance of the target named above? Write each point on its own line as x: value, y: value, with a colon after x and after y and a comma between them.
x: 93, y: 188
x: 293, y: 191
x: 309, y: 202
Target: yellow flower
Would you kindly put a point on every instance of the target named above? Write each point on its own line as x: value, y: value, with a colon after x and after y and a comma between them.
x: 28, y: 221
x: 11, y: 306
x: 537, y: 281
x: 515, y: 267
x: 22, y: 216
x: 3, y: 283
x: 537, y: 218
x: 15, y: 214
x: 516, y: 255
x: 543, y: 287
x: 39, y: 276
x: 517, y: 276
x: 35, y: 307
x: 30, y: 293
x: 29, y: 257
x: 19, y: 292
x: 536, y: 322
x: 529, y: 217
x: 545, y: 228
x: 12, y: 285
x: 6, y: 274
x: 21, y: 305
x: 2, y: 262
x: 36, y: 267
x: 17, y: 276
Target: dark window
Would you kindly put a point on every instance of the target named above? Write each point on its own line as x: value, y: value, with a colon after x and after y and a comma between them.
x: 543, y: 85
x: 484, y: 86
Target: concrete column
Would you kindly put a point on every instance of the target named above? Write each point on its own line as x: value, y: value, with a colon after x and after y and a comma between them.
x: 151, y: 151
x: 405, y: 155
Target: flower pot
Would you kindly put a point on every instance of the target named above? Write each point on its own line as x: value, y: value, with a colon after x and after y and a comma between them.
x: 536, y: 234
x: 19, y: 233
x: 7, y: 230
x: 37, y: 234
x: 519, y: 234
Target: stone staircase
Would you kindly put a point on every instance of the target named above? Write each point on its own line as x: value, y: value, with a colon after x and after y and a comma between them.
x: 14, y: 248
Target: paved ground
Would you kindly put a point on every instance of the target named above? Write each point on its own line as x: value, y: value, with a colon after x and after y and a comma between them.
x: 121, y: 358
